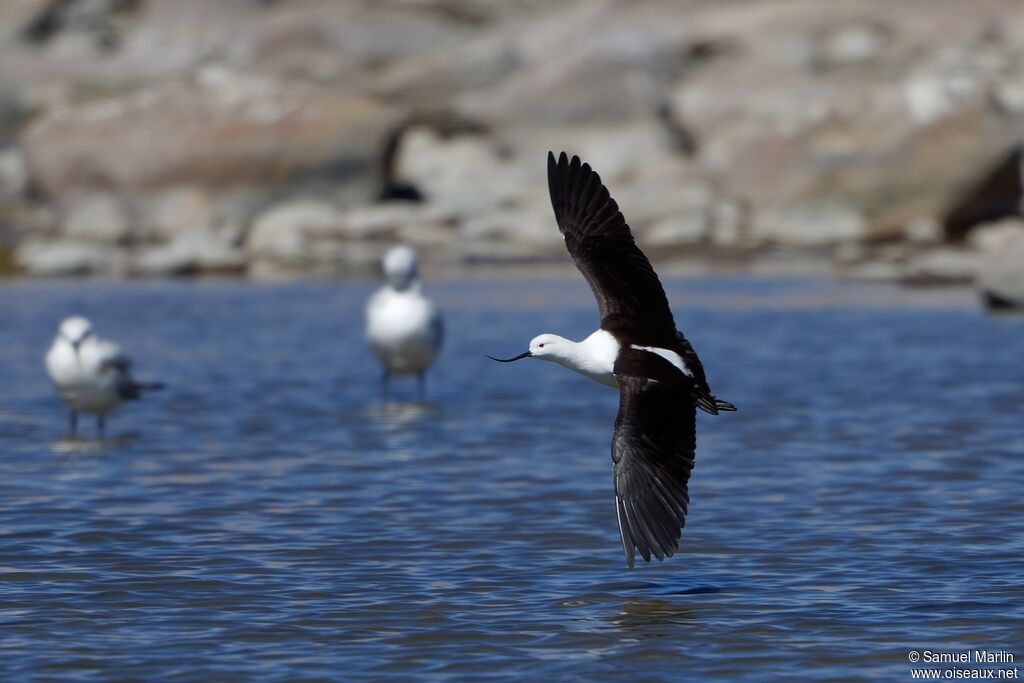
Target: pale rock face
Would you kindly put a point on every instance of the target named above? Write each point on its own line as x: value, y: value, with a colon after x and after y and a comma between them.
x: 68, y: 257
x: 809, y: 224
x: 194, y: 252
x: 462, y: 175
x: 992, y: 238
x: 284, y: 233
x: 1001, y: 276
x: 794, y: 123
x: 219, y: 129
x: 943, y: 264
x: 13, y: 174
x: 179, y: 210
x: 96, y: 217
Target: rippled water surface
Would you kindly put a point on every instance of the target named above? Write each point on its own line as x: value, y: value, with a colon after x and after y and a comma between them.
x: 271, y: 516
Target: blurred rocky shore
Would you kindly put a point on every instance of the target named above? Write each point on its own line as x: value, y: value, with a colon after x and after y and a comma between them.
x: 872, y: 138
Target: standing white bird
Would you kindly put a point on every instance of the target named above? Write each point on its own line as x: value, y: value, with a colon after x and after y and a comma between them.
x: 92, y: 375
x: 404, y: 328
x: 637, y: 348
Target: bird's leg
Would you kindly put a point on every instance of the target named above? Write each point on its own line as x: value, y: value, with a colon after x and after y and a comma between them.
x: 421, y: 385
x: 101, y: 424
x: 385, y: 380
x: 73, y: 423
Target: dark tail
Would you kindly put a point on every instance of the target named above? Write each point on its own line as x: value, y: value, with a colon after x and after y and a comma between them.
x: 133, y: 390
x: 713, y: 404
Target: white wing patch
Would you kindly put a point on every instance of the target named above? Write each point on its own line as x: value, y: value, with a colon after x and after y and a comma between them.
x: 671, y: 356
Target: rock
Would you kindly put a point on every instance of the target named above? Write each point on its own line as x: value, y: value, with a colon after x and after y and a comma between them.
x: 812, y: 224
x: 351, y: 42
x: 994, y: 237
x: 522, y: 229
x: 15, y: 16
x: 582, y: 63
x: 1009, y: 98
x: 461, y: 175
x: 680, y: 229
x: 873, y: 271
x: 67, y: 257
x: 218, y: 130
x: 191, y: 252
x: 728, y: 223
x: 178, y: 210
x: 394, y: 221
x: 850, y: 253
x: 923, y: 231
x: 943, y: 265
x: 95, y: 217
x: 1001, y: 277
x: 905, y: 124
x: 13, y: 174
x: 852, y: 45
x: 436, y: 79
x: 295, y: 236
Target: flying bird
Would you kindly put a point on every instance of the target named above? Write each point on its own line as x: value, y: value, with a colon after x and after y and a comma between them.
x: 92, y: 375
x: 636, y: 349
x: 403, y: 327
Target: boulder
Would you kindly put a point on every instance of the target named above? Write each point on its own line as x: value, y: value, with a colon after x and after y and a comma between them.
x: 693, y: 227
x: 1001, y: 276
x: 807, y: 225
x: 220, y: 129
x: 191, y: 252
x: 395, y: 221
x: 296, y: 236
x: 13, y: 173
x: 178, y: 210
x: 63, y: 258
x: 942, y: 265
x: 95, y: 217
x: 852, y: 102
x: 460, y: 175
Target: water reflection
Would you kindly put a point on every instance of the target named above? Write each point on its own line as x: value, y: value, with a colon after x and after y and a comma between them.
x: 84, y: 445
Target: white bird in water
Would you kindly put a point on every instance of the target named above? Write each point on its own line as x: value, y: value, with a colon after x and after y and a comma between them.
x: 92, y: 375
x: 404, y: 328
x: 637, y: 349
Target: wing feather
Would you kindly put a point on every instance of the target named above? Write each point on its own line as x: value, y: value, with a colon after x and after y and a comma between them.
x: 629, y: 295
x: 652, y: 454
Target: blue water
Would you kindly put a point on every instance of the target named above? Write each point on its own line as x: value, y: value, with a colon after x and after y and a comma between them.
x: 270, y: 516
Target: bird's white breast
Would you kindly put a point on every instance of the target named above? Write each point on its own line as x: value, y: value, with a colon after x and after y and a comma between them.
x: 83, y: 379
x: 403, y: 328
x: 595, y: 357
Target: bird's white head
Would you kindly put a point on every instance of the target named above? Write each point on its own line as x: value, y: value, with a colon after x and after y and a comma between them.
x: 548, y: 347
x: 401, y: 267
x: 551, y: 347
x: 75, y: 330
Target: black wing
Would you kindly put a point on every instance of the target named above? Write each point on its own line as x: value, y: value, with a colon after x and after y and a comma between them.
x: 652, y: 455
x: 629, y: 296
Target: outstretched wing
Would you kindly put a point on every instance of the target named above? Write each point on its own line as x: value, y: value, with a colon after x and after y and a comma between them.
x: 652, y: 455
x: 629, y: 296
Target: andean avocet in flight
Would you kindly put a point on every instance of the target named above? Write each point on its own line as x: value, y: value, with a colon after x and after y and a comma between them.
x: 404, y: 328
x: 637, y: 348
x: 92, y: 375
